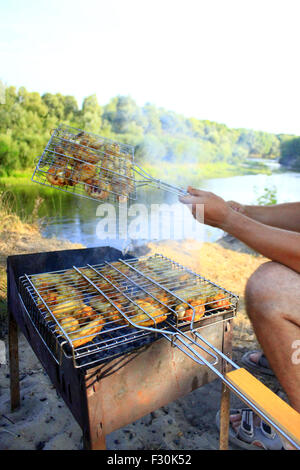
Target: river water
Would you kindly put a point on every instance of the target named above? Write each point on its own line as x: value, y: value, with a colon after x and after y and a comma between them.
x: 83, y: 221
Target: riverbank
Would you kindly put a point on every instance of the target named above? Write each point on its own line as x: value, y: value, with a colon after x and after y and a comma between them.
x: 61, y: 212
x: 173, y: 172
x: 190, y: 173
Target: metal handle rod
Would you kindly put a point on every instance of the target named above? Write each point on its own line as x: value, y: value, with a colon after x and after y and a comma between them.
x: 140, y: 287
x: 174, y: 333
x: 121, y: 292
x: 159, y: 183
x: 245, y: 399
x: 217, y: 351
x: 195, y: 356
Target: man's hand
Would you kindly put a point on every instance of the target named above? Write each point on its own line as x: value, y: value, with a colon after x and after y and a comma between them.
x: 216, y: 210
x: 236, y: 206
x: 277, y: 244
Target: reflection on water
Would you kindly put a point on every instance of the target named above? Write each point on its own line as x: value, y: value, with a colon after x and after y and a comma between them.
x: 75, y: 219
x: 82, y: 224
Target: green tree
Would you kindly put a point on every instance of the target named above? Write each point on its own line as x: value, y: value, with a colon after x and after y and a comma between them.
x: 290, y: 152
x: 91, y: 114
x: 27, y: 118
x: 55, y: 105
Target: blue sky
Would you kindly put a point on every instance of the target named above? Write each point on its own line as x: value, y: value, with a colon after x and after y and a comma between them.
x: 231, y: 61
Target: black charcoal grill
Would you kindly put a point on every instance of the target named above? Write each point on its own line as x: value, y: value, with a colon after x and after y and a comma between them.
x: 126, y: 371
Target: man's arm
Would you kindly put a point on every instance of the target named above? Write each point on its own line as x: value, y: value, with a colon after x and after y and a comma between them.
x: 285, y: 216
x: 276, y: 244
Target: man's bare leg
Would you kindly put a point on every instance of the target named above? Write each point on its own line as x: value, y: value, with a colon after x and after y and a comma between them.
x: 273, y: 306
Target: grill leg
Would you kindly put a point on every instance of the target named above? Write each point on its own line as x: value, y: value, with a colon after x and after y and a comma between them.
x: 225, y: 393
x: 14, y: 363
x: 94, y: 440
x: 93, y: 428
x: 224, y: 417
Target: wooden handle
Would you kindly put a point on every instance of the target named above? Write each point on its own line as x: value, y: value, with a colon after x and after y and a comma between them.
x: 261, y: 396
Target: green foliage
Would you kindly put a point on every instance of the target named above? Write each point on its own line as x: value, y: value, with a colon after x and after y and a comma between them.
x: 290, y: 152
x: 268, y: 197
x: 160, y: 136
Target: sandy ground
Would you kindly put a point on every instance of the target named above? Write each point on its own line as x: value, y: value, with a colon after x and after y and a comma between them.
x: 44, y: 422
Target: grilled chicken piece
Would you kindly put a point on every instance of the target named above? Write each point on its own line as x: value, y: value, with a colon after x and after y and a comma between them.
x: 40, y: 280
x: 85, y: 171
x: 77, y: 281
x: 68, y: 290
x: 50, y: 298
x: 86, y: 333
x: 56, y: 176
x: 71, y: 177
x: 107, y: 310
x: 79, y: 151
x: 67, y: 307
x: 98, y: 189
x: 185, y: 313
x: 84, y: 313
x: 219, y: 300
x: 69, y: 324
x: 158, y: 313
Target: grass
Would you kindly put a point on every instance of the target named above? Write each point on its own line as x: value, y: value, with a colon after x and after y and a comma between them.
x: 10, y: 221
x: 19, y: 235
x: 18, y: 174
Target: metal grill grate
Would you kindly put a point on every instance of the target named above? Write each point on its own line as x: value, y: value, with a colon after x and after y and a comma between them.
x: 98, y: 311
x: 87, y: 165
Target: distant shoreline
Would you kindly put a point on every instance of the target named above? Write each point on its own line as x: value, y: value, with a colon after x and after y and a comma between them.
x: 170, y: 172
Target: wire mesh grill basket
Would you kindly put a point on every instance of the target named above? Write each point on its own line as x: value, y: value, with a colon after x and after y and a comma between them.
x: 96, y: 308
x: 94, y: 167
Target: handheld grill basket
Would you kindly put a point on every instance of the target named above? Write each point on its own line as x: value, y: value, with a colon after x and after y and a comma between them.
x: 93, y: 167
x: 139, y: 299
